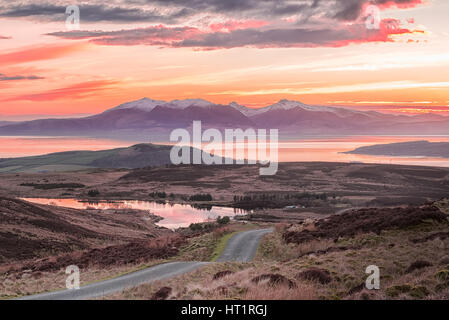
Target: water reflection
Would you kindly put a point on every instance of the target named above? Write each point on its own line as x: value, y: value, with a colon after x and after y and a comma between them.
x: 175, y: 215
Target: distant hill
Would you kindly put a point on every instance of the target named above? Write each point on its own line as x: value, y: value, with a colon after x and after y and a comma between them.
x: 155, y: 119
x: 137, y: 156
x: 4, y: 123
x: 410, y: 149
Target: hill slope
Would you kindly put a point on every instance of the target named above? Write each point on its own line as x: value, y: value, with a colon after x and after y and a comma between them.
x: 29, y: 231
x: 140, y: 155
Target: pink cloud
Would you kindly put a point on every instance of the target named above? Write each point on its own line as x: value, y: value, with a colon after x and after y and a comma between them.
x: 382, y: 4
x: 388, y: 28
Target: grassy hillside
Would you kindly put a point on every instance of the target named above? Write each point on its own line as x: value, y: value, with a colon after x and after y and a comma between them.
x: 136, y: 156
x: 32, y: 231
x: 327, y: 259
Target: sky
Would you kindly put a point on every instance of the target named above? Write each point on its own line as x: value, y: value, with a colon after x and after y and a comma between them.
x: 254, y: 52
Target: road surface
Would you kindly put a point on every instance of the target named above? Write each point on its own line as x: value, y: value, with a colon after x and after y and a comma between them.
x: 241, y: 247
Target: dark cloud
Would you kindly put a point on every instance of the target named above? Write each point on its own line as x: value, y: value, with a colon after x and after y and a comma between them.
x: 4, y: 38
x: 349, y: 10
x: 177, y: 11
x: 15, y: 78
x: 340, y: 9
x: 158, y: 35
x: 274, y: 37
x: 267, y: 38
x: 261, y: 8
x: 94, y: 13
x: 315, y: 23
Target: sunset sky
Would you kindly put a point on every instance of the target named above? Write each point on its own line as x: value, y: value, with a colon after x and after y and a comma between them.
x: 254, y: 52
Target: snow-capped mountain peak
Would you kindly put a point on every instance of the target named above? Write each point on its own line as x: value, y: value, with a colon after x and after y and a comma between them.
x: 243, y: 109
x: 287, y: 104
x: 182, y: 104
x: 144, y: 104
x: 281, y: 105
x: 290, y: 104
x: 147, y: 104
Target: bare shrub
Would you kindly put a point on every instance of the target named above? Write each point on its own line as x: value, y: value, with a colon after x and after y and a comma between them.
x: 274, y: 280
x: 222, y: 274
x: 419, y: 264
x: 162, y: 294
x: 315, y: 274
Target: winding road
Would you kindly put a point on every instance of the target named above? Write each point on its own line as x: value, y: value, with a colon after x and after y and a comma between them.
x: 241, y: 247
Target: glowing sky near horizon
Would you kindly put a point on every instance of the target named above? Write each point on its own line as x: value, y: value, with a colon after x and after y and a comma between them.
x: 251, y: 52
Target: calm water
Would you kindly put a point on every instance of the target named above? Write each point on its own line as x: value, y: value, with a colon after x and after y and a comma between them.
x: 330, y: 150
x: 175, y: 215
x: 11, y: 147
x: 310, y: 149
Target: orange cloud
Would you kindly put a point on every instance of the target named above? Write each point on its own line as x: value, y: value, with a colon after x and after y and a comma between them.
x: 78, y: 90
x: 38, y: 53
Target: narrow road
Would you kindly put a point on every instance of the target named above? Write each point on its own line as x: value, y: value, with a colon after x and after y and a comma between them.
x: 242, y: 247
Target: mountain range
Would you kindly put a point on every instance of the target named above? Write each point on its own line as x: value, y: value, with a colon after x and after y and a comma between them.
x: 155, y: 119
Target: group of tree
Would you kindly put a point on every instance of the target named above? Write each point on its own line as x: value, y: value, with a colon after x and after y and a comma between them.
x: 221, y: 221
x: 281, y: 196
x: 201, y: 197
x: 160, y: 195
x: 93, y: 193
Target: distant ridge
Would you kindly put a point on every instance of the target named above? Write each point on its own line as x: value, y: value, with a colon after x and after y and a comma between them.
x: 4, y: 123
x: 410, y: 149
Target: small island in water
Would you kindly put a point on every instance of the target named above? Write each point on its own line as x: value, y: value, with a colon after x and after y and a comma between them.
x: 406, y: 149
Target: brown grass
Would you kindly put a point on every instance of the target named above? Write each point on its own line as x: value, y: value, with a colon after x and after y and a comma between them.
x: 199, y: 285
x: 303, y: 292
x: 402, y: 262
x: 375, y: 220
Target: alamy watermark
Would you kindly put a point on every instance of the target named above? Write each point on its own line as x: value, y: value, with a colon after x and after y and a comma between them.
x: 373, y: 280
x: 218, y: 150
x: 373, y: 19
x: 72, y: 21
x: 73, y: 280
